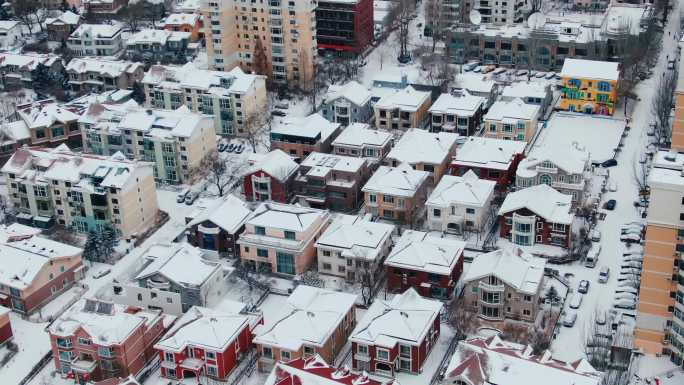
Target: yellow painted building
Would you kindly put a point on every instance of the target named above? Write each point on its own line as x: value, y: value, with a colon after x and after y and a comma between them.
x: 589, y: 86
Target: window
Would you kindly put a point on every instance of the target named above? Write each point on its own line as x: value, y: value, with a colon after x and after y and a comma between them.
x: 526, y: 312
x: 470, y: 211
x: 309, y: 351
x: 285, y: 355
x: 267, y: 352
x: 105, y: 351
x: 527, y: 298
x: 388, y: 199
x: 84, y: 341
x: 258, y: 230
x: 169, y: 357
x: 436, y: 213
x: 382, y: 354
x: 212, y: 370
x: 285, y: 263
x: 327, y: 266
x: 290, y: 235
x: 362, y: 349
x: 372, y: 198
x: 263, y: 253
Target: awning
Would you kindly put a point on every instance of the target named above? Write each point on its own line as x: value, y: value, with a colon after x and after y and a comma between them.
x: 192, y: 364
x: 41, y: 218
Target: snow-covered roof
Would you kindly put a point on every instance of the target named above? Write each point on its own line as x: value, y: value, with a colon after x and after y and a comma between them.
x: 185, y: 6
x: 21, y: 260
x: 221, y: 83
x: 598, y: 135
x: 228, y: 213
x: 542, y: 200
x: 155, y: 122
x: 590, y: 69
x: 352, y: 91
x: 61, y: 164
x: 356, y: 237
x: 105, y: 31
x: 517, y: 268
x: 459, y: 103
x: 490, y: 153
x: 421, y: 146
x: 474, y: 83
x: 511, y: 111
x: 181, y: 263
x: 480, y: 361
x: 286, y: 217
x: 360, y: 135
x: 181, y: 18
x: 320, y: 164
x: 309, y: 316
x: 203, y: 328
x: 45, y: 113
x: 428, y: 252
x: 16, y: 131
x: 667, y: 169
x: 468, y: 190
x: 17, y: 231
x: 407, y: 99
x: 402, y: 181
x: 570, y: 159
x: 6, y: 25
x: 313, y: 126
x: 105, y: 322
x: 315, y: 371
x: 276, y: 163
x: 104, y: 67
x: 67, y: 17
x: 405, y: 319
x: 526, y: 90
x: 27, y: 61
x: 156, y: 36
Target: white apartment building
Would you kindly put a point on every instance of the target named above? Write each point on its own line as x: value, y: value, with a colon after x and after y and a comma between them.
x: 84, y: 192
x: 286, y: 31
x: 501, y: 12
x: 96, y: 40
x: 352, y: 246
x: 460, y: 203
x: 98, y: 75
x: 234, y: 98
x: 175, y: 141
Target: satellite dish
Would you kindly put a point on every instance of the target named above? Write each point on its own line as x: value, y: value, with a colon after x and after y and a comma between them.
x: 475, y: 17
x: 536, y: 20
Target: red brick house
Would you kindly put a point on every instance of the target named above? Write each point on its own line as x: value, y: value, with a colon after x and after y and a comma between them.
x: 95, y: 340
x: 204, y: 342
x: 5, y: 326
x: 271, y: 178
x: 537, y: 215
x: 490, y: 159
x: 217, y: 227
x: 426, y: 262
x: 396, y: 335
x: 314, y: 370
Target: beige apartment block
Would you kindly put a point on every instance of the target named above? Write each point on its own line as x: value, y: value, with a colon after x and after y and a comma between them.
x: 678, y: 120
x: 660, y: 316
x: 174, y: 141
x: 402, y: 109
x: 236, y: 99
x: 286, y: 30
x: 84, y: 192
x: 512, y: 120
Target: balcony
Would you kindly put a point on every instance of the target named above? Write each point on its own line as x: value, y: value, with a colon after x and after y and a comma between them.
x: 567, y: 186
x: 547, y: 170
x: 64, y: 343
x: 492, y: 288
x: 84, y: 366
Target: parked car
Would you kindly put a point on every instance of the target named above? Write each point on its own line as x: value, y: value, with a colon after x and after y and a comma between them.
x: 278, y: 113
x: 593, y: 255
x: 521, y: 72
x: 627, y: 290
x: 600, y: 318
x: 282, y: 105
x: 231, y: 147
x: 540, y: 75
x: 240, y: 148
x: 583, y: 287
x: 180, y: 198
x: 221, y: 147
x: 604, y: 273
x: 627, y: 296
x: 625, y: 304
x: 630, y: 238
x: 101, y: 273
x: 191, y: 197
x: 628, y: 285
x: 576, y: 301
x: 596, y: 235
x: 612, y: 186
x: 550, y: 75
x: 610, y: 205
x: 609, y: 163
x: 569, y: 319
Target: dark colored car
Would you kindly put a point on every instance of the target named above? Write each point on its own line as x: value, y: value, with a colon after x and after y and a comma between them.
x: 609, y: 163
x: 610, y: 205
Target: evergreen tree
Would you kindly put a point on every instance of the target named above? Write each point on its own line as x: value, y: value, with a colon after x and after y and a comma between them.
x: 42, y: 78
x: 108, y: 242
x: 91, y: 247
x: 138, y: 93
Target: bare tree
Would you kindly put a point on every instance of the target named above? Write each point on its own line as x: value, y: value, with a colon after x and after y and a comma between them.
x: 255, y: 129
x: 661, y: 107
x: 401, y: 15
x: 25, y: 12
x: 218, y: 172
x: 132, y: 14
x: 464, y: 321
x: 435, y: 20
x: 597, y: 342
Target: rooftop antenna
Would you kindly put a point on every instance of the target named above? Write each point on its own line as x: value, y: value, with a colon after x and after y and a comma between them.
x: 475, y: 17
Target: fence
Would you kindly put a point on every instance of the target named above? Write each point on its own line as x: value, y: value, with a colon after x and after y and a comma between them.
x: 37, y: 368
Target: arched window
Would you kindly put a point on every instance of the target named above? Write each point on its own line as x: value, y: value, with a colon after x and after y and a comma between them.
x: 545, y: 179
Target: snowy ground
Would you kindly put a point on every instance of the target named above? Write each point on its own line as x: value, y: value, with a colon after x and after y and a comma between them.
x: 33, y: 343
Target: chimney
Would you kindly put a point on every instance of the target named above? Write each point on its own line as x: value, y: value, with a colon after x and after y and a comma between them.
x: 404, y: 80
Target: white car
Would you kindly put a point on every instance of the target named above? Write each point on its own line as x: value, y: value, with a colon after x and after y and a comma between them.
x: 625, y: 304
x: 632, y: 265
x: 569, y: 319
x: 612, y: 186
x: 596, y: 235
x: 630, y: 237
x: 627, y: 285
x: 625, y: 296
x: 101, y: 273
x: 576, y: 301
x: 604, y: 273
x: 627, y: 290
x: 600, y: 318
